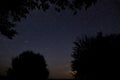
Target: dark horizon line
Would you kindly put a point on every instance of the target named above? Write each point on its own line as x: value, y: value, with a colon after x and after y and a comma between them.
x: 59, y: 79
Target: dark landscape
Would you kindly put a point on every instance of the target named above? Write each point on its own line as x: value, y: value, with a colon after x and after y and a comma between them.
x: 59, y: 39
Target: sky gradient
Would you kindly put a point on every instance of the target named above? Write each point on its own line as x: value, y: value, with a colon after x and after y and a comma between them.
x: 52, y: 34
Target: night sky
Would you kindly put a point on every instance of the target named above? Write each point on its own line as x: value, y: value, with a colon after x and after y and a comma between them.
x: 52, y: 34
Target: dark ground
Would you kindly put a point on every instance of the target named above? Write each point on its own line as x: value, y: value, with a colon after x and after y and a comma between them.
x: 60, y: 79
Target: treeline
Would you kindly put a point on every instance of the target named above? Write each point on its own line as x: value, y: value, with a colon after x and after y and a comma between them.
x: 91, y: 56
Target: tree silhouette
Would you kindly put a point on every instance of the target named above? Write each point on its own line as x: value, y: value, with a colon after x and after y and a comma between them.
x: 96, y: 55
x: 12, y: 11
x: 28, y: 66
x: 2, y: 76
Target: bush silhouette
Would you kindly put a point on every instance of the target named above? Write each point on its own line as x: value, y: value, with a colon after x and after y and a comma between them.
x: 96, y: 55
x: 28, y: 66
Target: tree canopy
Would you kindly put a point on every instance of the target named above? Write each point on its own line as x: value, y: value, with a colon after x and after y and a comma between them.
x: 96, y: 55
x: 12, y: 11
x: 27, y: 66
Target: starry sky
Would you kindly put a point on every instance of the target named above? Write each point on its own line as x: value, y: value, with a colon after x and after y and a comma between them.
x: 52, y: 34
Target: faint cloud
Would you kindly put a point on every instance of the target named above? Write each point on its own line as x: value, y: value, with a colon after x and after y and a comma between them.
x: 72, y: 72
x: 61, y: 71
x: 68, y: 73
x: 26, y: 41
x: 66, y: 65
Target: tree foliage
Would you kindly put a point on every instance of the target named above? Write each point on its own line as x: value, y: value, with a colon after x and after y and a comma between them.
x: 95, y: 55
x: 28, y: 66
x: 12, y: 11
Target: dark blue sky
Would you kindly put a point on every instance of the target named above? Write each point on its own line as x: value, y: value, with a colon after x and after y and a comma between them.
x: 52, y: 34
